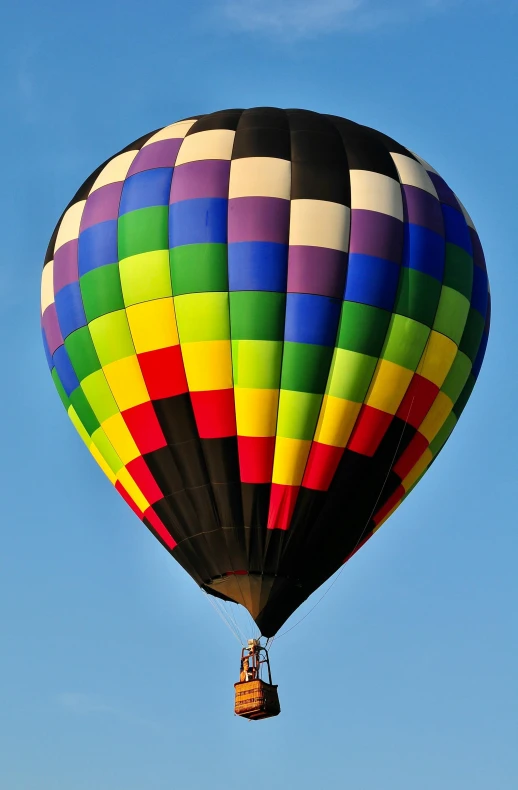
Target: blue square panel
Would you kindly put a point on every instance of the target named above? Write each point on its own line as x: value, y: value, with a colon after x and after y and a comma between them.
x: 424, y: 250
x: 456, y: 230
x: 257, y: 266
x: 98, y: 246
x: 69, y: 308
x: 65, y: 370
x: 146, y: 189
x: 372, y: 281
x: 312, y: 319
x: 198, y: 221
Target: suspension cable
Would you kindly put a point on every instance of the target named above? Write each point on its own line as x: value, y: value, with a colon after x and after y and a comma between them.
x: 362, y: 532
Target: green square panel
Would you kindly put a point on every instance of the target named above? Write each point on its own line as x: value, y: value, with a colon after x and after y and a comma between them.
x: 472, y: 335
x: 257, y: 315
x: 145, y: 277
x: 298, y: 414
x: 452, y: 313
x: 460, y: 403
x: 418, y: 296
x: 196, y: 268
x: 105, y: 447
x: 82, y: 353
x: 362, y: 328
x: 351, y: 374
x: 202, y: 316
x: 305, y: 367
x: 439, y: 441
x: 99, y: 396
x: 257, y: 363
x: 84, y: 410
x: 61, y: 392
x: 405, y: 341
x: 144, y: 230
x: 112, y: 337
x: 457, y: 376
x: 458, y: 270
x: 101, y: 291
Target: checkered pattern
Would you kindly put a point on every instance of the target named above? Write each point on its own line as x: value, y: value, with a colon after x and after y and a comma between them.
x: 245, y: 315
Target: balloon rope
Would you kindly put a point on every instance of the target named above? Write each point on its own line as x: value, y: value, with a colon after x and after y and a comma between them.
x: 224, y: 618
x: 361, y: 534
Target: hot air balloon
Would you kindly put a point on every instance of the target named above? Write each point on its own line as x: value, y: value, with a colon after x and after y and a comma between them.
x: 264, y: 324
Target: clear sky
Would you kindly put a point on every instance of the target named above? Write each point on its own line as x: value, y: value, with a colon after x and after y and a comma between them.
x: 115, y: 673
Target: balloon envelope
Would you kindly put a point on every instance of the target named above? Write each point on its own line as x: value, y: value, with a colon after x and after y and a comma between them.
x: 264, y: 325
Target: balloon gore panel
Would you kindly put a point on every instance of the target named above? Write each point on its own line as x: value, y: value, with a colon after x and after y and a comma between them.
x: 264, y: 325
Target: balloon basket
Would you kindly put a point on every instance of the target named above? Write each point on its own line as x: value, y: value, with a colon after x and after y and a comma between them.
x: 256, y: 699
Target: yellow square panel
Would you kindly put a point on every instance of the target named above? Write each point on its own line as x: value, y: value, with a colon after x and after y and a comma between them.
x: 208, y: 365
x: 115, y: 170
x: 319, y: 223
x: 47, y: 286
x: 153, y: 324
x: 416, y: 471
x: 256, y: 411
x: 121, y: 439
x: 413, y: 173
x: 260, y: 176
x: 175, y: 131
x: 125, y: 380
x: 69, y: 225
x: 212, y: 144
x: 78, y: 425
x: 436, y: 417
x: 336, y: 421
x: 388, y: 386
x: 133, y: 490
x: 437, y: 358
x: 375, y: 192
x: 290, y: 460
x: 102, y: 463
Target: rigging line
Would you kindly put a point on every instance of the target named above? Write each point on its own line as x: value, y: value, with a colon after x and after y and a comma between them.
x: 223, y: 618
x: 218, y: 605
x: 364, y: 529
x: 230, y: 611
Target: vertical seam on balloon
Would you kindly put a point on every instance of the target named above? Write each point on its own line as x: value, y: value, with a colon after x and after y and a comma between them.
x: 425, y: 350
x: 268, y: 531
x: 187, y: 537
x: 348, y: 175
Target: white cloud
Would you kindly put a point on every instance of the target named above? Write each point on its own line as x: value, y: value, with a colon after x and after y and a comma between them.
x: 297, y: 19
x: 85, y: 704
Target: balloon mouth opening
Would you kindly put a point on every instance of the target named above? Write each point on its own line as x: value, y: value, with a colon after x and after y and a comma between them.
x: 248, y: 588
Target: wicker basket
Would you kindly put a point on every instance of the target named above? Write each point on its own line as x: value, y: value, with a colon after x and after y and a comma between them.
x: 256, y: 699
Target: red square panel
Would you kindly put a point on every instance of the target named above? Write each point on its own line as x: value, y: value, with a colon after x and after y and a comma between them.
x: 159, y: 528
x: 163, y: 372
x: 282, y: 505
x: 214, y: 413
x: 411, y: 455
x: 124, y: 494
x: 144, y: 427
x: 417, y: 401
x: 393, y: 500
x: 256, y: 458
x: 371, y: 426
x: 321, y: 467
x: 140, y: 473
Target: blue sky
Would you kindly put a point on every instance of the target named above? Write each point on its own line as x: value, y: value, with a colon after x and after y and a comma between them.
x: 115, y: 673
